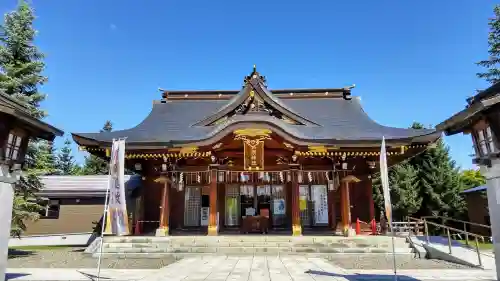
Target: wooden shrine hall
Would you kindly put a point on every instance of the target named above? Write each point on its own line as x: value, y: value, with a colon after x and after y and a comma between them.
x: 256, y: 160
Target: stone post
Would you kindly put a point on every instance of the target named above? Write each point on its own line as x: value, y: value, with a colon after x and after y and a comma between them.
x: 492, y: 176
x: 7, y: 181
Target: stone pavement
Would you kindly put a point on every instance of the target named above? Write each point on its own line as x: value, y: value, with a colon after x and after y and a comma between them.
x: 250, y: 268
x: 72, y: 274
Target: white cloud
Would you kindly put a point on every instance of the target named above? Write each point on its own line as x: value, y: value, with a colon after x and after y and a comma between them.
x: 113, y: 26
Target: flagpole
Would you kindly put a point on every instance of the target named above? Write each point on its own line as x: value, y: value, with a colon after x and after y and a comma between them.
x: 384, y: 176
x: 105, y: 213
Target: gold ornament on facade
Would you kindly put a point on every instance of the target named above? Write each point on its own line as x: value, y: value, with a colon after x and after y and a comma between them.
x: 253, y: 146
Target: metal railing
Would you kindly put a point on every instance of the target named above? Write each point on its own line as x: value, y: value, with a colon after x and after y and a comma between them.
x: 447, y: 230
x: 464, y: 224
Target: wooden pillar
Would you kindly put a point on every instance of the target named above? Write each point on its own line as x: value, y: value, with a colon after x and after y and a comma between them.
x: 212, y: 222
x: 165, y: 209
x: 345, y: 207
x: 296, y: 225
x: 369, y: 192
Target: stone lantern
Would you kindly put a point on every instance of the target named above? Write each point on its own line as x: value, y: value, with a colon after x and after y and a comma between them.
x: 17, y: 127
x: 481, y: 120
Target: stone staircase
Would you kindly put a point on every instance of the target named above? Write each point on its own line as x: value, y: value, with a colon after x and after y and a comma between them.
x: 179, y: 246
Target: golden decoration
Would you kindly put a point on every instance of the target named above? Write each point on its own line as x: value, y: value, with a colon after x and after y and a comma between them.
x: 351, y: 178
x: 317, y: 148
x: 239, y: 134
x: 287, y: 145
x: 253, y: 147
x: 189, y: 149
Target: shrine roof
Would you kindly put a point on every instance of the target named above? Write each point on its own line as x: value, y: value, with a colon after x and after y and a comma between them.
x: 308, y: 116
x: 18, y: 110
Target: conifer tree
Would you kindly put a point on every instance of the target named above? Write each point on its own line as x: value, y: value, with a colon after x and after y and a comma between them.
x: 21, y: 63
x: 95, y: 165
x: 492, y: 72
x: 21, y: 67
x: 65, y: 161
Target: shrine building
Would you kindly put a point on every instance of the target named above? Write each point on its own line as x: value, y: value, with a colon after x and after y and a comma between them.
x: 256, y: 160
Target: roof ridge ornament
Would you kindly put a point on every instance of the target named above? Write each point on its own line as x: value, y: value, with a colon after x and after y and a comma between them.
x: 255, y: 75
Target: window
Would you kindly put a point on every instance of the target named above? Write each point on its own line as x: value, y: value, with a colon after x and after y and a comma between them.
x: 485, y: 143
x: 51, y: 210
x: 13, y: 147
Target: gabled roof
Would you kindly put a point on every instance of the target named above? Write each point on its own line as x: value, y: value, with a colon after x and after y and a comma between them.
x: 18, y: 110
x: 475, y: 189
x: 476, y: 106
x: 327, y: 119
x: 81, y: 186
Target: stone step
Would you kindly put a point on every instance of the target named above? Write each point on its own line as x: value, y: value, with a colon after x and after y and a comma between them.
x: 249, y: 244
x: 255, y: 239
x: 184, y: 255
x: 238, y: 250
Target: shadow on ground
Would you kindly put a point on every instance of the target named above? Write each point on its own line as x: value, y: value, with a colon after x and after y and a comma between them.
x: 13, y: 276
x: 359, y: 277
x: 16, y: 253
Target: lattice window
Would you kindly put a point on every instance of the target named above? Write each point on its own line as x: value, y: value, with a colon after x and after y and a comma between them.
x: 13, y: 147
x: 192, y: 206
x: 232, y: 205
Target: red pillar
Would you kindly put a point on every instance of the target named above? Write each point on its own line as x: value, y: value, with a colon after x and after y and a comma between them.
x: 296, y: 225
x: 369, y: 191
x: 212, y: 223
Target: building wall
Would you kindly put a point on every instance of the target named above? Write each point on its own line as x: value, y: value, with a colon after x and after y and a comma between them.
x: 477, y: 208
x: 74, y: 217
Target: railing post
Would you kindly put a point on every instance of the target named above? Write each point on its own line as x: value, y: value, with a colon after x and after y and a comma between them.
x: 478, y: 253
x: 466, y: 234
x: 426, y: 230
x: 449, y: 239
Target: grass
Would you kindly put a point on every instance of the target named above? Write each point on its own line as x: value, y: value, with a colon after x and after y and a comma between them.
x: 482, y: 246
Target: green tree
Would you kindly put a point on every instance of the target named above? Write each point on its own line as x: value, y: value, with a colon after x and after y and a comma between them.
x: 440, y: 183
x: 472, y: 178
x: 94, y: 165
x: 40, y: 161
x: 404, y: 191
x: 492, y: 72
x: 21, y: 63
x: 65, y: 161
x: 21, y: 67
x: 403, y: 184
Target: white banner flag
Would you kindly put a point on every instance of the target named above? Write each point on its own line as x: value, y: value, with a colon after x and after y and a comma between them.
x: 117, y: 206
x: 384, y: 177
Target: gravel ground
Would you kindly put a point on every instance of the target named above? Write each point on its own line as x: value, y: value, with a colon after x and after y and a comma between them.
x: 75, y: 258
x: 386, y: 262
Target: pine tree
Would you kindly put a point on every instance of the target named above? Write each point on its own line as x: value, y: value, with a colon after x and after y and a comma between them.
x: 65, y: 161
x: 21, y: 66
x: 39, y: 161
x: 21, y: 63
x: 492, y: 72
x: 440, y: 183
x: 404, y: 191
x: 95, y: 165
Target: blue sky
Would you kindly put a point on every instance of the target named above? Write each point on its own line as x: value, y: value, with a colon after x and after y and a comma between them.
x: 410, y: 60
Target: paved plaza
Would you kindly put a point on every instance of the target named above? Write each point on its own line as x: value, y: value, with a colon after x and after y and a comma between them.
x: 248, y: 268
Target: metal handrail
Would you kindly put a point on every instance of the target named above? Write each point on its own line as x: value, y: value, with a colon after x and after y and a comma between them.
x: 460, y: 221
x: 465, y: 223
x: 448, y: 229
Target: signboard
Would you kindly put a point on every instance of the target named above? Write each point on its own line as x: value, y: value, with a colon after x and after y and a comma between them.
x: 117, y: 218
x: 204, y: 216
x: 279, y: 207
x: 320, y: 199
